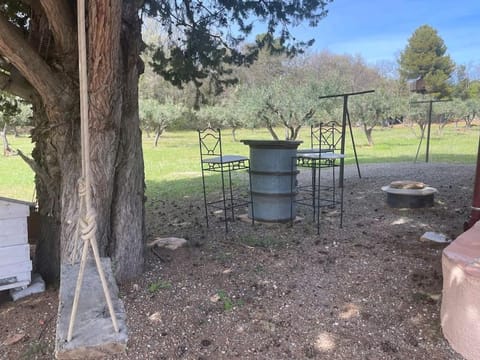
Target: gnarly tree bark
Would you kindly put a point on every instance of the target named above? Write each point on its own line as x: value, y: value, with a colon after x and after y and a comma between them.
x: 50, y: 80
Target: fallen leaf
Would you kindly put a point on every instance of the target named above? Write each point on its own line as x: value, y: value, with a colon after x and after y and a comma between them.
x: 13, y: 339
x: 155, y: 317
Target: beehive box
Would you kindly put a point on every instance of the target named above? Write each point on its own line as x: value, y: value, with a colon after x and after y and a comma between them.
x: 15, y: 264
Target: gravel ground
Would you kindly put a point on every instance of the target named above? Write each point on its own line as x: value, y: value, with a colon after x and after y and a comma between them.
x: 370, y: 290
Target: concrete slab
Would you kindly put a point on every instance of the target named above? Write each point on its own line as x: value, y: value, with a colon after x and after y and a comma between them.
x: 36, y: 286
x: 93, y: 336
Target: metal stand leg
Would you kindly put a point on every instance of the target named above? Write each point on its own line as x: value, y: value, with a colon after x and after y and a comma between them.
x: 341, y: 206
x: 292, y: 188
x: 224, y: 200
x: 205, y: 196
x: 314, y: 188
x: 231, y: 193
x: 334, y: 184
x: 318, y: 198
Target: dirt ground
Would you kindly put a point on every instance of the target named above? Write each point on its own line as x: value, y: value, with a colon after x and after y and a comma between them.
x: 370, y: 290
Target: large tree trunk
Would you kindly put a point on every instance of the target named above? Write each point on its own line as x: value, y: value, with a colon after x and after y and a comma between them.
x: 113, y: 42
x: 128, y: 206
x: 114, y: 39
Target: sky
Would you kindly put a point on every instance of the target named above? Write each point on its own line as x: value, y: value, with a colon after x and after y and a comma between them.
x: 379, y: 30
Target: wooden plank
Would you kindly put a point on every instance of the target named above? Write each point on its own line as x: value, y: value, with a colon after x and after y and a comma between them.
x: 14, y: 254
x: 11, y: 240
x: 17, y: 284
x: 15, y: 281
x: 93, y: 334
x: 14, y: 269
x: 12, y: 226
x: 16, y: 201
x: 13, y: 209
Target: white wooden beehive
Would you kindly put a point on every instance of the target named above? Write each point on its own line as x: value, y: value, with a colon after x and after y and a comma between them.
x: 15, y: 264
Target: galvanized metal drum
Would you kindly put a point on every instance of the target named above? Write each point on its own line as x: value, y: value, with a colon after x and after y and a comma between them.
x: 273, y: 175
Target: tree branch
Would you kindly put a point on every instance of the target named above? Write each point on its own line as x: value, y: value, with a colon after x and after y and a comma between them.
x: 62, y: 24
x: 20, y: 54
x: 41, y: 173
x: 16, y: 84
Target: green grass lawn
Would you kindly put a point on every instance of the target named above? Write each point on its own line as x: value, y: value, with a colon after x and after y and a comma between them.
x: 172, y: 169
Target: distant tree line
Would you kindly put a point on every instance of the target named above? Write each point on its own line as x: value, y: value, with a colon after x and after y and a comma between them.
x: 281, y: 91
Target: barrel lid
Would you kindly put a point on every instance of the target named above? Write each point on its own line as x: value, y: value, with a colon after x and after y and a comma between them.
x: 273, y: 144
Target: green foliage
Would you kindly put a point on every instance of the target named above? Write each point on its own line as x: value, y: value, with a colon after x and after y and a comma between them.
x: 376, y: 108
x: 425, y: 57
x: 204, y: 39
x: 283, y: 102
x: 474, y: 89
x: 227, y: 302
x: 472, y: 110
x: 155, y: 116
x: 36, y: 349
x: 9, y: 108
x: 159, y: 285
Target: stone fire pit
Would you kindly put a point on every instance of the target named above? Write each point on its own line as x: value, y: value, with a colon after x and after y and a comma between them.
x: 409, y: 194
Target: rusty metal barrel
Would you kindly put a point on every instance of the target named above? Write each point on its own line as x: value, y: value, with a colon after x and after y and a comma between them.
x: 273, y: 176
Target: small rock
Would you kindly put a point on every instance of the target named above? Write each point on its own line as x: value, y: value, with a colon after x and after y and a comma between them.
x: 435, y: 237
x: 215, y: 298
x: 171, y: 243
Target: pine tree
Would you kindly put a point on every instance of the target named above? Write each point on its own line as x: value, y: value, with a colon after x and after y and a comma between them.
x: 425, y: 57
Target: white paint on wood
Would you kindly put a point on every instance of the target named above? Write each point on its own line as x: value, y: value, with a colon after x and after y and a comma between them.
x: 15, y: 264
x: 14, y: 254
x: 12, y: 227
x: 16, y: 281
x: 15, y: 285
x: 10, y: 208
x: 10, y: 240
x: 9, y: 270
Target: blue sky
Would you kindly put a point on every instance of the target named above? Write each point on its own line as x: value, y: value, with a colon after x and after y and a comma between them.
x: 379, y: 29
